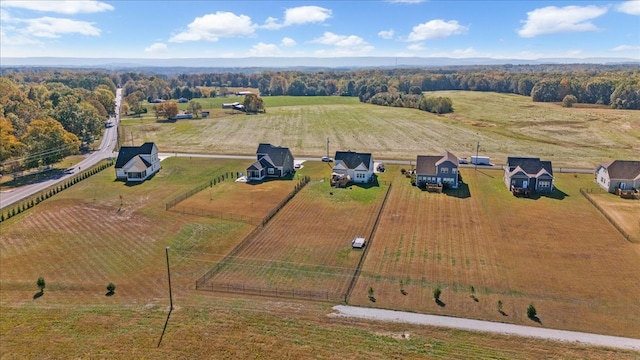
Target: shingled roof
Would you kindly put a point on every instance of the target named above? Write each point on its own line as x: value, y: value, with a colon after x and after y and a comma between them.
x: 623, y: 169
x: 276, y: 155
x: 427, y: 164
x: 353, y: 159
x: 127, y: 153
x: 531, y: 166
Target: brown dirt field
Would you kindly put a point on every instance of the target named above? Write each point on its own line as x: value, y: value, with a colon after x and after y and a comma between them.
x: 306, y: 246
x: 560, y: 254
x: 625, y: 212
x: 249, y: 202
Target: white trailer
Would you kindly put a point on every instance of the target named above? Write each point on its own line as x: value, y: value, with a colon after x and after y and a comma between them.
x: 358, y: 243
x: 480, y: 160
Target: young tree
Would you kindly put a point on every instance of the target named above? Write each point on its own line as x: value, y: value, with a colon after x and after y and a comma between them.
x: 436, y: 293
x: 500, y: 306
x: 111, y: 288
x: 569, y: 100
x: 41, y: 284
x: 531, y: 312
x: 195, y: 107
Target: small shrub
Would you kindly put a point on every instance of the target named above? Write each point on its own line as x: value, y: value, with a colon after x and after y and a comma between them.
x: 531, y: 312
x: 41, y: 284
x: 436, y: 293
x: 111, y: 288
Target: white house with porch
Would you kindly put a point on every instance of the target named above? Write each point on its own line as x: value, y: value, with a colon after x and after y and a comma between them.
x: 137, y: 163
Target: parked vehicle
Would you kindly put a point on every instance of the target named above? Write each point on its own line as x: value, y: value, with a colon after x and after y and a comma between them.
x: 327, y: 159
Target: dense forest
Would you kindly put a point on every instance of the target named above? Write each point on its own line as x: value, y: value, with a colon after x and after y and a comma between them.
x: 49, y: 113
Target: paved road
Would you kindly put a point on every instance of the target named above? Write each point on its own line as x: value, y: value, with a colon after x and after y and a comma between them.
x: 106, y: 150
x: 488, y: 326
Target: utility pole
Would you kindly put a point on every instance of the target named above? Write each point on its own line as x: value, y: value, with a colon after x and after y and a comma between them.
x: 169, y: 275
x: 477, y: 149
x: 327, y: 147
x: 132, y: 138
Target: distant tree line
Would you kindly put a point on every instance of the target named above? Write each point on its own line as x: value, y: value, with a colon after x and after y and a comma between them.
x: 47, y: 113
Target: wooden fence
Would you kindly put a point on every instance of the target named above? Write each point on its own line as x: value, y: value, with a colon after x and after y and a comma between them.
x: 202, y: 281
x: 173, y: 202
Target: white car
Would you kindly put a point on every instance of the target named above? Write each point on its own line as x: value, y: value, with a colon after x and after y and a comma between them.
x: 327, y: 159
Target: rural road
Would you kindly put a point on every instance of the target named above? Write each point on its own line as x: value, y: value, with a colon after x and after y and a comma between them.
x: 488, y: 326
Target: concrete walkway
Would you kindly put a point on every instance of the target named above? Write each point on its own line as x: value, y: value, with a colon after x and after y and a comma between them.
x: 488, y: 326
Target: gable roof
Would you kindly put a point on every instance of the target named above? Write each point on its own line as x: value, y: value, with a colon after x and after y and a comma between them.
x: 353, y: 159
x: 127, y: 153
x: 531, y: 166
x: 623, y: 169
x: 275, y: 155
x: 427, y: 164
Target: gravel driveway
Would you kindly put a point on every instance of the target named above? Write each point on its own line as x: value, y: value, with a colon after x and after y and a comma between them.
x: 487, y: 326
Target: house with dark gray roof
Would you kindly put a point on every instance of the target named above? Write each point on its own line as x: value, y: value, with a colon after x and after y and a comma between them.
x: 618, y: 174
x: 272, y: 162
x: 437, y: 170
x: 137, y: 163
x: 350, y: 166
x: 524, y: 175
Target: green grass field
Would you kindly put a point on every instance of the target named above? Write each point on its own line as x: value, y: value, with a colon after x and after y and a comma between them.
x: 503, y: 124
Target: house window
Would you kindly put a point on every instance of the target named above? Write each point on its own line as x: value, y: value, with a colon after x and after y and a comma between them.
x: 454, y: 171
x: 444, y: 170
x: 271, y: 171
x: 544, y: 184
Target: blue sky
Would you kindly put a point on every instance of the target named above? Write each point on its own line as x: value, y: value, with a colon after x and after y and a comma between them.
x: 395, y: 28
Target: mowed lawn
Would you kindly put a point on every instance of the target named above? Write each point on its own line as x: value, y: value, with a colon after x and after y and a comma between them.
x: 100, y: 231
x: 625, y: 212
x: 307, y: 245
x: 503, y: 124
x: 239, y: 201
x: 557, y: 252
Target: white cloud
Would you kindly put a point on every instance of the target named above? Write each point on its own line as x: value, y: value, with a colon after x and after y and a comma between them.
x: 630, y: 7
x: 9, y: 38
x: 156, y: 48
x: 262, y: 49
x: 61, y: 7
x: 50, y: 27
x: 306, y: 14
x: 212, y: 27
x: 416, y: 47
x: 288, y: 42
x: 343, y: 45
x: 552, y: 20
x: 386, y: 34
x: 436, y: 29
x: 468, y: 52
x: 299, y: 16
x: 626, y: 48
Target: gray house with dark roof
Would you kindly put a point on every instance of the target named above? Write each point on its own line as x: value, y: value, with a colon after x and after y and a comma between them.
x: 352, y: 166
x: 437, y: 170
x: 273, y: 162
x: 137, y: 163
x: 618, y: 174
x: 526, y: 175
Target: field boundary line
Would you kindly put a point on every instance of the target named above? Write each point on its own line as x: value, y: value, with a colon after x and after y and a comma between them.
x: 217, y: 267
x: 290, y: 293
x: 585, y: 192
x: 356, y: 273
